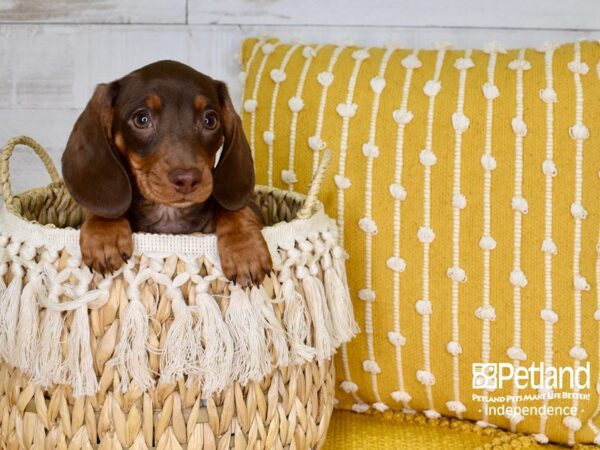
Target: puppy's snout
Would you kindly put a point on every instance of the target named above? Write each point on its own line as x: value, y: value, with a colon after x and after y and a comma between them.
x: 185, y: 180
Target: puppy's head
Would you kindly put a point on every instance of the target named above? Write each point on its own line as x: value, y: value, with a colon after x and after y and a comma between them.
x: 167, y: 128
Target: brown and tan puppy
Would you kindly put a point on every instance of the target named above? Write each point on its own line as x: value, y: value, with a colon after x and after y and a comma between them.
x: 143, y: 157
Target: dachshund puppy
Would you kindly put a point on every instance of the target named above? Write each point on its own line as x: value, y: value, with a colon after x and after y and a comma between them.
x: 162, y: 150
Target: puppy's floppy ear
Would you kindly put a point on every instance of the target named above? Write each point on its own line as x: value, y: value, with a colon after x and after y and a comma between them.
x: 233, y: 178
x: 92, y: 171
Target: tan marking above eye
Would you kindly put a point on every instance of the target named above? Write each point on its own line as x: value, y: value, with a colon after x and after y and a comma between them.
x: 153, y: 102
x: 200, y: 102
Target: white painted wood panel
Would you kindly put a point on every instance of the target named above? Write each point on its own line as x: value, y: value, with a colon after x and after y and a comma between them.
x: 50, y: 127
x: 57, y: 66
x: 542, y: 14
x: 93, y: 11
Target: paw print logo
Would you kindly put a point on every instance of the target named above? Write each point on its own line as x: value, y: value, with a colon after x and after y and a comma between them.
x: 484, y: 376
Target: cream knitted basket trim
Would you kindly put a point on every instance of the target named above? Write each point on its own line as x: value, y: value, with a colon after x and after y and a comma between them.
x: 281, y: 235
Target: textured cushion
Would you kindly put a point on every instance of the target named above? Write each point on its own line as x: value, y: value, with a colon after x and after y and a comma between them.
x: 467, y: 187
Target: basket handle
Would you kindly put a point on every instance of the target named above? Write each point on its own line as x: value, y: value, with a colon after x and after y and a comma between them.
x: 5, y: 169
x: 315, y: 186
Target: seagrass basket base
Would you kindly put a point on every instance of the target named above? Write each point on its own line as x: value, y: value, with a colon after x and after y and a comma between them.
x: 289, y: 410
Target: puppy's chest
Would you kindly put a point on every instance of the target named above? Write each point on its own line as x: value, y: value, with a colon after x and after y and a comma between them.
x: 153, y: 218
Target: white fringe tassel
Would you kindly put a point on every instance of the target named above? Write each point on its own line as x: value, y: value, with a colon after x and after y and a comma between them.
x: 80, y: 368
x: 183, y: 348
x: 216, y: 366
x: 296, y: 320
x: 251, y: 358
x: 27, y: 333
x: 340, y: 305
x: 274, y: 332
x: 49, y: 367
x: 9, y: 314
x: 317, y: 304
x: 131, y: 356
x: 339, y: 264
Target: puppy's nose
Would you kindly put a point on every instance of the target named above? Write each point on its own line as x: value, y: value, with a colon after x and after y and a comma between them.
x: 185, y: 180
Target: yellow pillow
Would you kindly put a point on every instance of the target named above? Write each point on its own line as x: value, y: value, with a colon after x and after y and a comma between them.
x: 467, y: 187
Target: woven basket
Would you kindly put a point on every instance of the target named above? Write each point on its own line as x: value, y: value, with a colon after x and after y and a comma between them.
x: 166, y: 353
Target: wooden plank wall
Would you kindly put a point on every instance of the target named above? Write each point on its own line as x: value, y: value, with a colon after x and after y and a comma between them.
x: 52, y: 53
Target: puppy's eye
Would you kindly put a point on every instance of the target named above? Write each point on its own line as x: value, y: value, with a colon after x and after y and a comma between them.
x: 142, y: 119
x: 210, y: 121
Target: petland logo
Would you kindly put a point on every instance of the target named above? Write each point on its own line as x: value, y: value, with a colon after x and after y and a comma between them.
x: 492, y: 376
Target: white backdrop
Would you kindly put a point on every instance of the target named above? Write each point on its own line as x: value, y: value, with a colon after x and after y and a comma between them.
x: 52, y: 53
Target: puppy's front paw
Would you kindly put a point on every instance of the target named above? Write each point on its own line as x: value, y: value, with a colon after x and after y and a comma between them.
x: 245, y: 257
x: 106, y: 244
